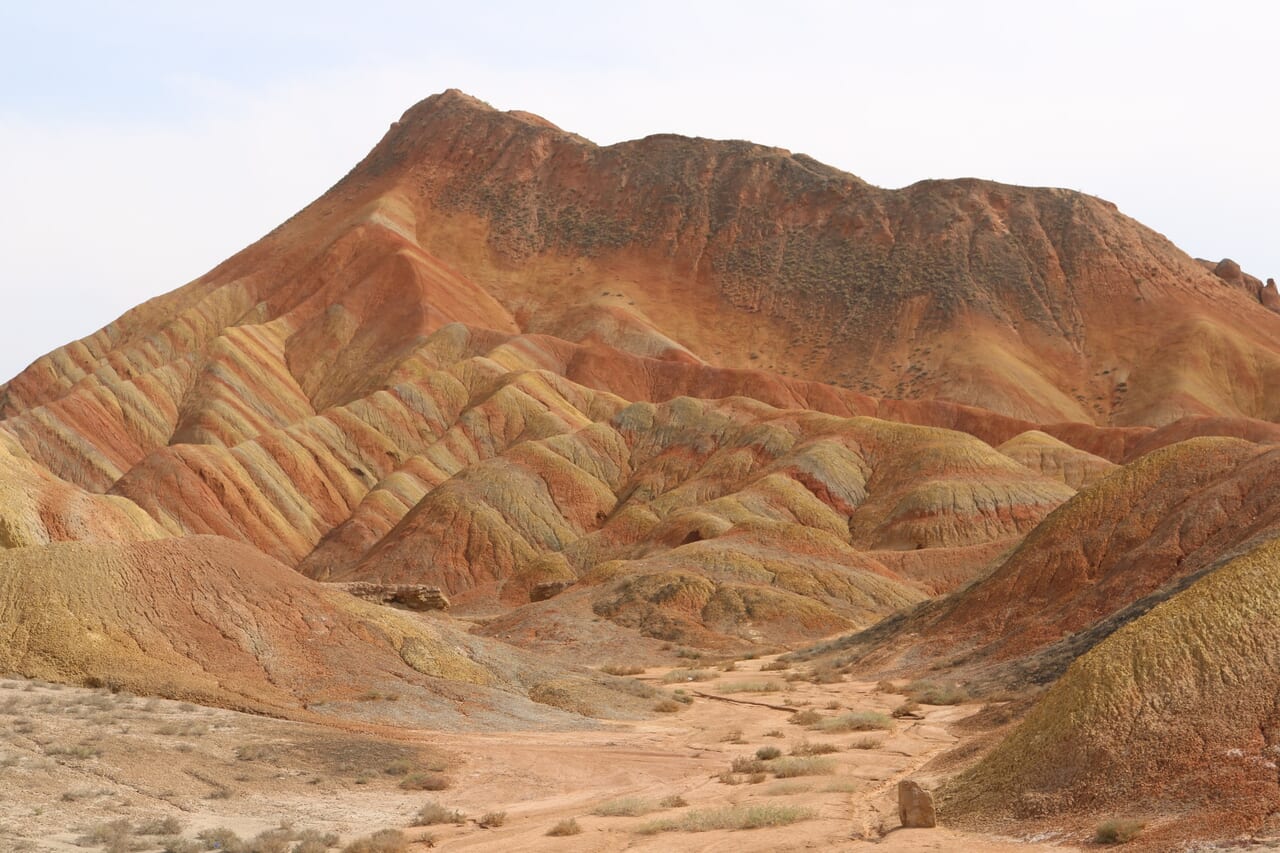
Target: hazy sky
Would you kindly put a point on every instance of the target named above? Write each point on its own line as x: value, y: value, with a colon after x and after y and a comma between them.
x: 141, y: 143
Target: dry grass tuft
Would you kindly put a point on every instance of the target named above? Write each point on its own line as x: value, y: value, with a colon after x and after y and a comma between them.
x: 909, y: 708
x: 1118, y: 831
x: 568, y: 826
x: 750, y: 687
x: 806, y: 748
x: 382, y: 841
x: 855, y: 721
x: 687, y: 675
x: 797, y: 765
x: 425, y: 782
x: 936, y: 692
x: 732, y: 818
x: 432, y: 813
x: 625, y: 807
x: 159, y: 826
x: 621, y: 669
x: 805, y: 718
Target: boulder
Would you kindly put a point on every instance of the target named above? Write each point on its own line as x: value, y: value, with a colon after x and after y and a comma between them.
x: 915, y: 806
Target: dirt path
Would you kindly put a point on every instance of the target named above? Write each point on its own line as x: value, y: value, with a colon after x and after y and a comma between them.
x: 544, y: 779
x: 72, y: 759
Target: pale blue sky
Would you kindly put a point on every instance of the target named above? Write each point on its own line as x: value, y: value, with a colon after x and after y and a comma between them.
x: 141, y: 143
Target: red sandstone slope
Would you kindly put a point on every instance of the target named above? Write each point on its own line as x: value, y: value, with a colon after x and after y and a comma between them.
x: 1100, y: 559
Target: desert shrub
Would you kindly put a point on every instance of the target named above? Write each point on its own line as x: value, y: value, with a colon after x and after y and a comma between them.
x: 757, y: 777
x: 633, y: 687
x: 276, y: 840
x: 382, y: 841
x: 178, y: 844
x: 731, y: 817
x: 855, y: 721
x: 906, y: 709
x: 804, y: 718
x: 72, y: 795
x: 728, y: 777
x: 797, y: 765
x: 673, y: 801
x: 687, y: 675
x: 733, y: 736
x: 159, y: 826
x: 936, y: 693
x: 681, y: 697
x: 563, y: 694
x: 490, y: 820
x: 314, y: 841
x: 310, y: 845
x: 254, y: 752
x: 666, y: 706
x: 788, y: 788
x: 775, y: 666
x: 221, y: 838
x: 750, y: 687
x: 433, y: 813
x: 624, y: 807
x: 826, y: 673
x: 866, y: 743
x: 79, y: 750
x: 886, y: 687
x: 746, y: 764
x: 621, y: 669
x: 568, y: 826
x: 774, y: 733
x: 805, y: 747
x: 425, y: 782
x: 1118, y: 831
x: 114, y: 836
x: 765, y: 753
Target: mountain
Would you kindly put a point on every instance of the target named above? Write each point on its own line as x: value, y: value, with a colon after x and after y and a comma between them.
x: 614, y: 401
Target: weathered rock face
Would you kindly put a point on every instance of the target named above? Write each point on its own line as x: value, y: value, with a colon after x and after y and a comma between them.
x: 915, y: 806
x: 410, y: 596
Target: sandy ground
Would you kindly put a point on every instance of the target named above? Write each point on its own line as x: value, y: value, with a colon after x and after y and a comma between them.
x: 72, y: 759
